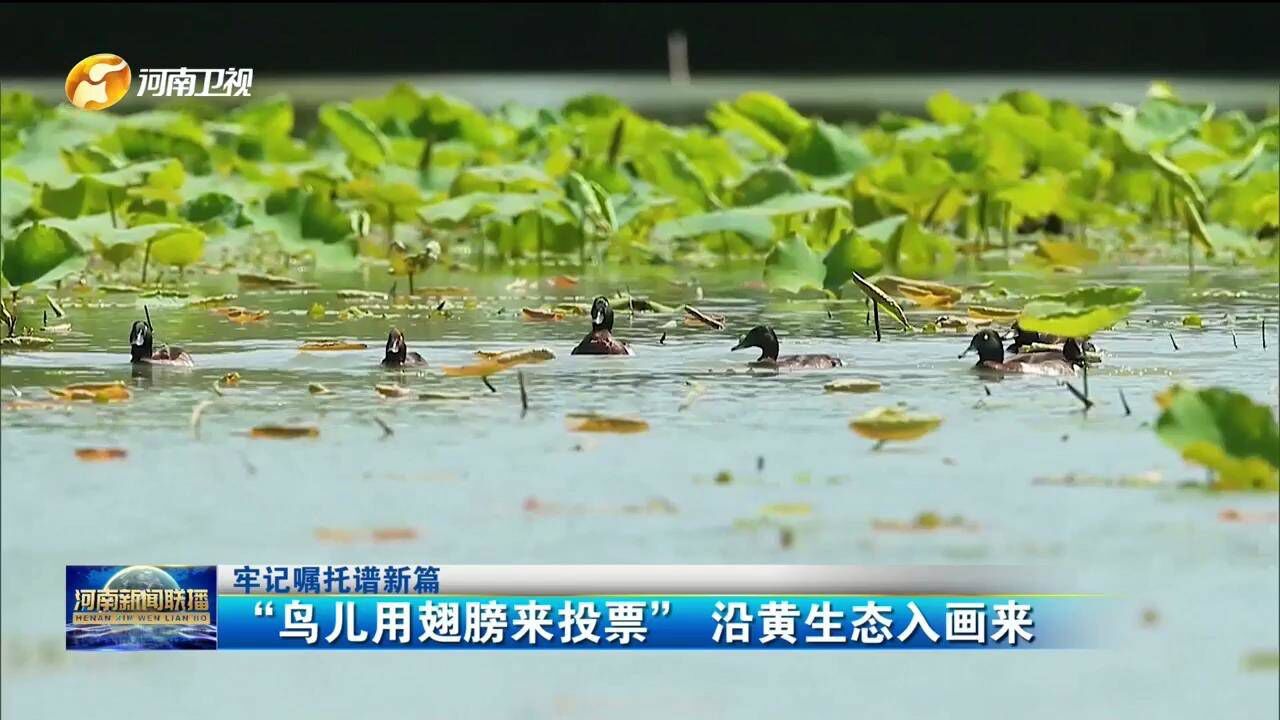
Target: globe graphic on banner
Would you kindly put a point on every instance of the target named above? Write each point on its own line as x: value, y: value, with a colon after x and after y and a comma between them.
x: 98, y: 81
x: 142, y: 577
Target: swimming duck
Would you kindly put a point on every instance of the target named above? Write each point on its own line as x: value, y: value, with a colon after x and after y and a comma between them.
x: 398, y: 354
x: 141, y: 351
x: 763, y: 337
x: 991, y: 357
x: 600, y: 341
x: 1026, y: 338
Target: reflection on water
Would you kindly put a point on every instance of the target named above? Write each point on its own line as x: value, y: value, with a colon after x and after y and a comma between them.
x: 475, y: 481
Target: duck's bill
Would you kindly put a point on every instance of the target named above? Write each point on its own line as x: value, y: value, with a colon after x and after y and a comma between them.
x: 739, y: 346
x: 966, y: 351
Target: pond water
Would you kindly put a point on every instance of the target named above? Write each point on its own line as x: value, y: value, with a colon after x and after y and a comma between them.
x: 475, y: 482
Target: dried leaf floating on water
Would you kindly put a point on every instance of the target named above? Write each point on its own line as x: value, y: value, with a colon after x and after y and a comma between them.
x: 852, y: 385
x: 987, y: 312
x: 493, y: 364
x: 120, y: 289
x: 93, y: 392
x: 269, y: 281
x: 164, y: 293
x: 362, y: 294
x: 696, y: 316
x: 894, y: 285
x: 241, y: 316
x: 562, y: 281
x: 540, y: 314
x: 318, y: 389
x: 100, y: 454
x: 391, y: 390
x: 591, y: 422
x: 572, y: 308
x: 211, y: 301
x: 887, y: 423
x: 27, y: 342
x: 331, y: 346
x: 231, y: 378
x: 285, y: 432
x: 924, y: 298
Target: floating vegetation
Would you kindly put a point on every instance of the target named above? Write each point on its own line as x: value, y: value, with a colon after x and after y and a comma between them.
x: 100, y: 454
x: 391, y: 390
x: 894, y: 424
x: 591, y: 422
x: 93, y: 392
x: 852, y: 385
x: 491, y: 364
x: 284, y: 432
x: 331, y: 346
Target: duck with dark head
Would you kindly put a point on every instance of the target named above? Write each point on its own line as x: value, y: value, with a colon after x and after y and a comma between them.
x: 398, y: 355
x: 990, y: 348
x: 142, y: 350
x: 1023, y: 339
x: 764, y: 338
x: 600, y: 341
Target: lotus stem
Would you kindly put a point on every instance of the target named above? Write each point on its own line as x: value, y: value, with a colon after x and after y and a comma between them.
x: 982, y: 219
x: 1004, y: 226
x: 875, y: 310
x: 539, y: 217
x: 615, y: 143
x: 146, y: 258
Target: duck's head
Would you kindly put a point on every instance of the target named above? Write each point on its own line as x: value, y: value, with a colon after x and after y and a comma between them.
x: 397, y: 351
x: 1074, y: 350
x: 763, y: 337
x: 140, y: 340
x: 988, y: 345
x: 601, y: 315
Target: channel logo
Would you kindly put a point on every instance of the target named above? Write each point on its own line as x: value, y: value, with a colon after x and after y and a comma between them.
x: 98, y: 81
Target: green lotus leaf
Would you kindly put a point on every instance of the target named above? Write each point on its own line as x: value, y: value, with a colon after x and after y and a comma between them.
x: 920, y: 253
x: 1226, y: 432
x: 41, y: 253
x: 357, y: 135
x: 792, y: 267
x: 824, y: 150
x: 851, y: 254
x: 1079, y: 313
x: 771, y: 113
x: 178, y: 247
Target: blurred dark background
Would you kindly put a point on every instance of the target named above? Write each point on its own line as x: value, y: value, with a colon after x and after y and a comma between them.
x: 740, y: 39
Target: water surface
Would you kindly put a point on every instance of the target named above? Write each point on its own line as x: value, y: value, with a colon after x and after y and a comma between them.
x: 476, y: 482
